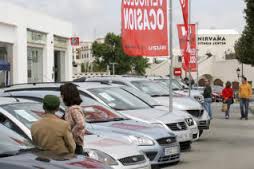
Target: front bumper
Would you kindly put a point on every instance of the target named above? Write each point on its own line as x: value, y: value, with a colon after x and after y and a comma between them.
x: 146, y: 165
x: 159, y: 154
x: 195, y: 132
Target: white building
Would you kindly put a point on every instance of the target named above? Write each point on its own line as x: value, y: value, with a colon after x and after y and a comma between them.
x: 83, y: 56
x: 37, y: 46
x: 214, y: 57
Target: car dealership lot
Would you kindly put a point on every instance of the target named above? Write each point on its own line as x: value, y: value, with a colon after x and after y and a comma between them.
x: 228, y: 145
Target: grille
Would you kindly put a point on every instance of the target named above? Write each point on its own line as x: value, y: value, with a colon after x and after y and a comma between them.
x: 133, y: 160
x: 166, y: 141
x: 196, y: 113
x: 177, y: 126
x: 169, y: 158
x: 202, y: 123
x: 151, y: 155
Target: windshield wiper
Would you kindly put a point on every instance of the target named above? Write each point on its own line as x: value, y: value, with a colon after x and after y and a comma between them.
x: 118, y: 119
x: 162, y: 95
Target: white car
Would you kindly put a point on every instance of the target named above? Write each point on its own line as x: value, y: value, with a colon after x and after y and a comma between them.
x: 161, y: 93
x: 19, y: 114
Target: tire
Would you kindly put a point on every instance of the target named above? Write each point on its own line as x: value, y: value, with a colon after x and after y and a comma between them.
x: 200, y: 132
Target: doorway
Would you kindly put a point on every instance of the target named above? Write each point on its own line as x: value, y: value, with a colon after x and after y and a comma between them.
x: 59, y: 65
x: 6, y: 51
x: 34, y: 64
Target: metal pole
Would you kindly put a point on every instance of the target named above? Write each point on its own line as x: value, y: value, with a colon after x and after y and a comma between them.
x: 170, y: 48
x: 197, y: 52
x: 189, y: 28
x: 242, y: 71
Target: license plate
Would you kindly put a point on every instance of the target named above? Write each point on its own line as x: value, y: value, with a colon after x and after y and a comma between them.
x: 171, y: 151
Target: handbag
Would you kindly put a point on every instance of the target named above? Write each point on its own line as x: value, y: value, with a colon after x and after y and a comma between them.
x: 224, y: 107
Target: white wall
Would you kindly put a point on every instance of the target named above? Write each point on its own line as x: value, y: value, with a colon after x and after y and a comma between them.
x: 14, y: 22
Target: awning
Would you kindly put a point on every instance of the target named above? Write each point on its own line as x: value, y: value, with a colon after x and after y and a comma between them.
x: 5, y: 66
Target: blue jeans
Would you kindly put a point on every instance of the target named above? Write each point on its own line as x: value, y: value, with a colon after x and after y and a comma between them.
x: 228, y: 102
x: 244, y: 106
x: 207, y: 106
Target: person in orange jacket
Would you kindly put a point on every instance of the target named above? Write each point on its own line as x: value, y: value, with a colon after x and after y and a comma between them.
x: 245, y: 93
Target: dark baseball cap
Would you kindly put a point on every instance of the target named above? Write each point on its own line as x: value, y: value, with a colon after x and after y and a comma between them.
x: 51, y: 103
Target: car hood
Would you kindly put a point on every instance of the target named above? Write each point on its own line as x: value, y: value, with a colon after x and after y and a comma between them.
x: 180, y: 103
x: 111, y: 146
x: 178, y: 113
x: 152, y: 116
x: 38, y: 160
x: 186, y: 92
x: 132, y: 127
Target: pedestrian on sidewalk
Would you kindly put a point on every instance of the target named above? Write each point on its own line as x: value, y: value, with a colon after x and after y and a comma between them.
x: 74, y: 114
x: 245, y: 93
x: 208, y: 98
x: 227, y: 94
x: 52, y: 133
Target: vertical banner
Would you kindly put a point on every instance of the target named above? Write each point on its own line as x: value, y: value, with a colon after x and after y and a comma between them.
x: 188, y: 48
x: 145, y: 27
x: 185, y: 11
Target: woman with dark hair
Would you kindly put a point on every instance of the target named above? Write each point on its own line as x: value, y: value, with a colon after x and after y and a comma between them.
x: 227, y: 94
x: 74, y: 114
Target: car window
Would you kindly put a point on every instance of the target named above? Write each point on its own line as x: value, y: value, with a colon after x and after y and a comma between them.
x: 5, y: 121
x: 151, y: 87
x: 11, y: 141
x: 119, y: 99
x: 26, y: 113
x: 143, y: 96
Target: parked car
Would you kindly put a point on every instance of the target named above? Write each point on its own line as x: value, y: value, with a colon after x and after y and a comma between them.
x: 128, y: 105
x: 158, y: 144
x: 16, y: 152
x: 117, y: 152
x: 160, y: 93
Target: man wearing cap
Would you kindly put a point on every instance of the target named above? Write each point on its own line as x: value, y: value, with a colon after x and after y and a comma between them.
x: 51, y: 133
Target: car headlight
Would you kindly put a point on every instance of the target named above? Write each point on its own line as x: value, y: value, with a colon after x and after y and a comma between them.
x: 101, y: 156
x: 158, y: 125
x: 189, y: 121
x: 141, y: 141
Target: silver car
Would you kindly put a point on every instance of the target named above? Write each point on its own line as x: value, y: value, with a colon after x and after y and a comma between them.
x: 158, y: 144
x: 18, y: 115
x: 130, y: 106
x: 160, y: 93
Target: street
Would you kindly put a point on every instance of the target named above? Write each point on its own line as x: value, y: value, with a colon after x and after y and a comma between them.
x: 229, y: 144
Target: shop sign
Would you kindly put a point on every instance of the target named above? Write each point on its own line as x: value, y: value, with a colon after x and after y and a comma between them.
x: 36, y: 37
x: 212, y: 40
x: 60, y: 42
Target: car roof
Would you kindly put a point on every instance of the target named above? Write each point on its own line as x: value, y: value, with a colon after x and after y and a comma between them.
x: 120, y: 78
x: 11, y: 100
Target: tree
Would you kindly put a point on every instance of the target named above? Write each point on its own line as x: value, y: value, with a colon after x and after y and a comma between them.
x: 244, y: 47
x: 111, y: 52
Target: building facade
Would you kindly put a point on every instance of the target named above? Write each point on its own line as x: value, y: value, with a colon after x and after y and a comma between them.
x: 216, y: 58
x: 36, y: 46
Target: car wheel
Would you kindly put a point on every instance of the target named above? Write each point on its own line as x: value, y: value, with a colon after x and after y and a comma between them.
x: 200, y: 132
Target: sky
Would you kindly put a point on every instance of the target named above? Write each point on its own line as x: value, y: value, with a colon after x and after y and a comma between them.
x: 94, y: 18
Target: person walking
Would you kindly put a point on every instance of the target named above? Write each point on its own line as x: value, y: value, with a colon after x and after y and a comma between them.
x: 208, y: 98
x: 245, y: 92
x: 227, y: 94
x: 52, y: 133
x: 74, y: 114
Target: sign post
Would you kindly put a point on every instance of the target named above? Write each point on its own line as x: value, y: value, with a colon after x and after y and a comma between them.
x: 170, y: 34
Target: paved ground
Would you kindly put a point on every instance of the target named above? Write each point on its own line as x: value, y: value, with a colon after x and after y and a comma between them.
x: 229, y: 144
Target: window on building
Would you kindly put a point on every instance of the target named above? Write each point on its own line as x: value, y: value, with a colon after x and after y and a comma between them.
x: 180, y: 59
x: 35, y: 64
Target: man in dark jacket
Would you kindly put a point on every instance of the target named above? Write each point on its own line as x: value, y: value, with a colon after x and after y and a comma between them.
x: 208, y: 98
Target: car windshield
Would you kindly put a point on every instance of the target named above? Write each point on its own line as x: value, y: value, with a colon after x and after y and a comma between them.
x: 143, y: 96
x: 26, y: 113
x: 175, y: 84
x: 11, y: 142
x: 152, y: 88
x: 118, y: 99
x: 96, y: 114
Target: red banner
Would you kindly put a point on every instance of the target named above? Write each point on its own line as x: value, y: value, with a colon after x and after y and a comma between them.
x: 145, y: 27
x: 188, y: 48
x: 185, y: 11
